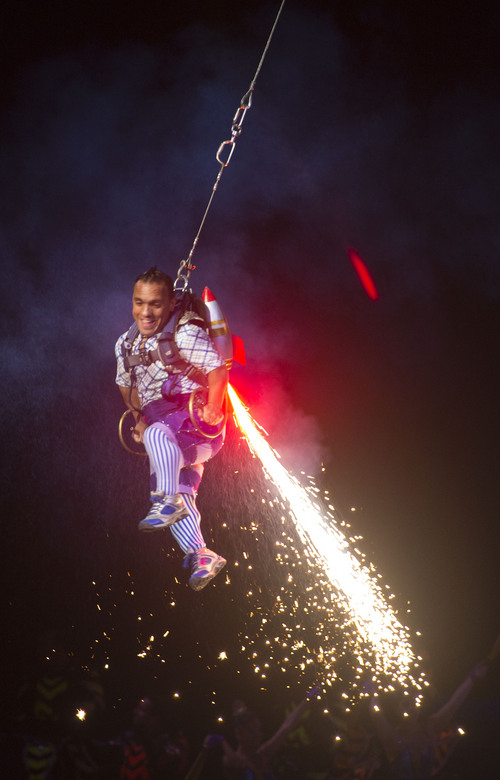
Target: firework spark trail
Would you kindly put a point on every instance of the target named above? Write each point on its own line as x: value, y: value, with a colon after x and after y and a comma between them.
x: 379, y: 630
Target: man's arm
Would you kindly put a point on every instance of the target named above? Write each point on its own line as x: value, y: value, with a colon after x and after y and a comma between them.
x: 212, y: 413
x: 233, y: 763
x: 131, y: 399
x: 272, y: 745
x: 196, y: 347
x: 387, y: 734
x: 440, y: 720
x: 132, y: 402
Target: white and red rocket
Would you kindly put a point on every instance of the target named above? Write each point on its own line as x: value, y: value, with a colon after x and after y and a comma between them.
x: 229, y: 347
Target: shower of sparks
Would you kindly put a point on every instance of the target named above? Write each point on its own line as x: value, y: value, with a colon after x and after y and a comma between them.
x: 378, y: 642
x: 313, y: 612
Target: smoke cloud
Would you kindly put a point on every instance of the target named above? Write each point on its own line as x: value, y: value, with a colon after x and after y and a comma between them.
x: 108, y: 160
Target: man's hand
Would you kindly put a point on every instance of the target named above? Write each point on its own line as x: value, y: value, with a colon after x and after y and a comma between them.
x: 479, y: 671
x: 211, y: 414
x: 139, y: 429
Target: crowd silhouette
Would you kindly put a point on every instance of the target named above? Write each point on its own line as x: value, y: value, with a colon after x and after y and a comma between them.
x: 56, y: 731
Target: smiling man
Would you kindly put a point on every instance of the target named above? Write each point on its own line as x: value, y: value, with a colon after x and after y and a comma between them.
x: 161, y: 359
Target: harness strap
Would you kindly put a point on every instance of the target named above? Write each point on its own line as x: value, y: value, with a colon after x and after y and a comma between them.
x: 167, y: 350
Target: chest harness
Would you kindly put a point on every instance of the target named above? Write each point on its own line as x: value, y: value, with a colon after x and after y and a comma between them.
x: 167, y: 351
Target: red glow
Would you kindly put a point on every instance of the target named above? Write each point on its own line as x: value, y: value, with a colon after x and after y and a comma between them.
x: 364, y: 275
x: 239, y: 350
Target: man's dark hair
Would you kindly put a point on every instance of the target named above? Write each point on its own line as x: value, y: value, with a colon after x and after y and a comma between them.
x: 154, y: 276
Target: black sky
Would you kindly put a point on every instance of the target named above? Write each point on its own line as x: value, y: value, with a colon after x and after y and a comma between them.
x: 373, y: 125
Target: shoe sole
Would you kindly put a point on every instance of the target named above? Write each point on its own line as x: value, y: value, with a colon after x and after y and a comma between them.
x: 198, y: 583
x: 147, y: 528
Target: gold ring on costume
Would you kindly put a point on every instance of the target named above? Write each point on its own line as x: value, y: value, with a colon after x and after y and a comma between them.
x: 197, y: 399
x: 120, y: 434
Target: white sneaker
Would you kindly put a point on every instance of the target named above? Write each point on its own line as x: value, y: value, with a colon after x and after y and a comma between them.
x: 204, y: 565
x: 165, y: 511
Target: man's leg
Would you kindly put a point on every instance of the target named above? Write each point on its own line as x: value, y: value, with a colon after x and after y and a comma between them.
x: 166, y: 460
x: 202, y: 562
x: 187, y: 532
x: 165, y: 457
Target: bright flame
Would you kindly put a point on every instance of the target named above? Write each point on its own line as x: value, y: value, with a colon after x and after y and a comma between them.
x: 379, y: 633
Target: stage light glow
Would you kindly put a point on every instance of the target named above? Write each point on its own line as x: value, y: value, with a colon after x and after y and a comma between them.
x: 364, y: 275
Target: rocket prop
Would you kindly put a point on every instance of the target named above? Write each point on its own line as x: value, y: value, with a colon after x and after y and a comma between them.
x: 228, y: 347
x: 218, y: 327
x: 227, y: 344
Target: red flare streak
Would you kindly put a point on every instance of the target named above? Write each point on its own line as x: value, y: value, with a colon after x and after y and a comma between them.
x: 364, y: 275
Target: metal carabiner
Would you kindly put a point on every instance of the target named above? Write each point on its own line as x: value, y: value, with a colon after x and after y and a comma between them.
x: 182, y: 278
x: 181, y: 283
x: 238, y: 120
x: 219, y: 152
x: 235, y: 130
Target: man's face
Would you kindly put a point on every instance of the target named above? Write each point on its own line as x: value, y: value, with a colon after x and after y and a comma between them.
x: 151, y: 307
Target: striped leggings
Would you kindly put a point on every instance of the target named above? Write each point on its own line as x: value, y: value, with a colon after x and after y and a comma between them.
x: 166, y: 461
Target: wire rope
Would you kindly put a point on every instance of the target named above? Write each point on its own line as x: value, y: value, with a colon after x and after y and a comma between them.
x: 223, y: 157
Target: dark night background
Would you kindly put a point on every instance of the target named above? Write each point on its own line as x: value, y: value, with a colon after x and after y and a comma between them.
x: 374, y: 125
